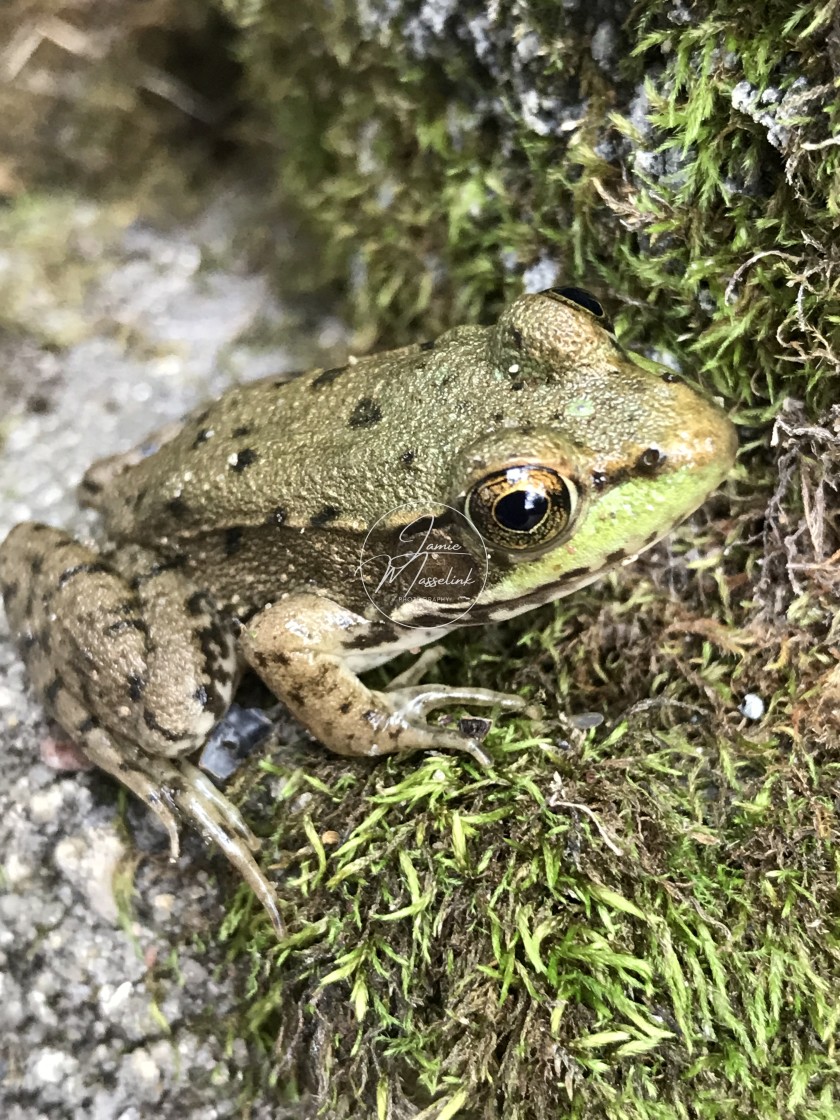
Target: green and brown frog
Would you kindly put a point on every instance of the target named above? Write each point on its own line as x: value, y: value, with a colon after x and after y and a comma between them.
x: 537, y: 448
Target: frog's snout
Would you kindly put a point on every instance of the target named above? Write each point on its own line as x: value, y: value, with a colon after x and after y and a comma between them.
x: 702, y: 438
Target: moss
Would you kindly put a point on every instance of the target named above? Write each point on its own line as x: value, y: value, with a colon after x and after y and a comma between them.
x: 637, y: 921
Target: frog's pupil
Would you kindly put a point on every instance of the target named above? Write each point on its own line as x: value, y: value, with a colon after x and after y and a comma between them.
x: 521, y: 510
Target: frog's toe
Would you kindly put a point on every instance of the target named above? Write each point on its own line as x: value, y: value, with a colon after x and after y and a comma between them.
x: 224, y: 807
x: 410, y: 708
x: 212, y: 814
x: 177, y: 788
x: 198, y: 800
x: 419, y: 701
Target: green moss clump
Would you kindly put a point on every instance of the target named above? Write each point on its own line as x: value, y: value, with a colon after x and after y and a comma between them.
x: 632, y: 922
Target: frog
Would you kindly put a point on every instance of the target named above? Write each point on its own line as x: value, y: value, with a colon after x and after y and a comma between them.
x: 532, y: 455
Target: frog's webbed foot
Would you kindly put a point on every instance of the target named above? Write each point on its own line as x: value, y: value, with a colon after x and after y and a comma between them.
x: 304, y: 648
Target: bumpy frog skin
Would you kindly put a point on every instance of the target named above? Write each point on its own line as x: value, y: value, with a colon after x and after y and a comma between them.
x: 235, y: 541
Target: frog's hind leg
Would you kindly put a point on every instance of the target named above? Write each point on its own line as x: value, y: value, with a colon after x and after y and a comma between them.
x: 135, y: 665
x: 97, y: 745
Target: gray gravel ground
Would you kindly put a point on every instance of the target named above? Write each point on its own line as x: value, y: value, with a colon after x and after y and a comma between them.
x: 95, y: 1020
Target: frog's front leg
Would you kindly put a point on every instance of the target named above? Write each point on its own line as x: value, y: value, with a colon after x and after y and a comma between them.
x: 307, y: 648
x: 137, y: 667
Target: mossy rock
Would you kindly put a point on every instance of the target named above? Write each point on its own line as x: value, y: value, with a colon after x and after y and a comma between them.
x: 682, y: 162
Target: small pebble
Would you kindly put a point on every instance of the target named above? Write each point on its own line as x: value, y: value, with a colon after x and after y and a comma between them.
x: 585, y: 721
x: 240, y: 732
x: 474, y: 727
x: 752, y: 706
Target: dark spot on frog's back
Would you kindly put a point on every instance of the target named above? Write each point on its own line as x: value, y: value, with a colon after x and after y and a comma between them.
x: 430, y: 345
x: 327, y: 376
x: 197, y: 603
x: 136, y: 686
x: 244, y: 430
x: 177, y: 507
x: 324, y: 516
x: 366, y: 413
x: 242, y: 459
x: 233, y: 540
x: 407, y: 458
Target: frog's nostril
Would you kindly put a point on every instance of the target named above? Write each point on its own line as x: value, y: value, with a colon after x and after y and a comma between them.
x: 651, y: 460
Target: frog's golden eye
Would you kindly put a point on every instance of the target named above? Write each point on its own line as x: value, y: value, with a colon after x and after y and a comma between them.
x: 522, y: 507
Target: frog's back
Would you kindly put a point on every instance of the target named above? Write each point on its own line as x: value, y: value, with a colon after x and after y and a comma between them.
x: 328, y: 446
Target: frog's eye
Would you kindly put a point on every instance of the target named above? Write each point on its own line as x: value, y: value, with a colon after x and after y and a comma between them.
x: 522, y: 507
x: 581, y: 297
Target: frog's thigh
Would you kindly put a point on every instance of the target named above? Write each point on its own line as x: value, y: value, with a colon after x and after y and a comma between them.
x: 134, y: 664
x: 301, y: 647
x: 137, y: 650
